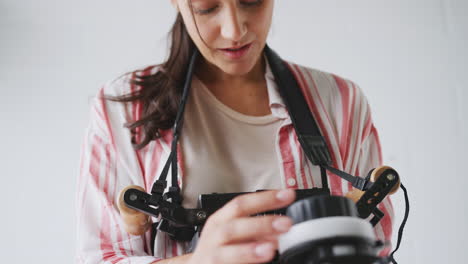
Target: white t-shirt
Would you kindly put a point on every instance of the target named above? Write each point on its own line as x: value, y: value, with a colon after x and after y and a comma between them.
x: 224, y: 150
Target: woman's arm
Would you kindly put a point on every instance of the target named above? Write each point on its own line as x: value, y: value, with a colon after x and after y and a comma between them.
x: 101, y: 236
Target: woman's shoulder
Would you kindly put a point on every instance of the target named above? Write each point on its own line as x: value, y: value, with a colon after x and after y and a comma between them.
x: 127, y: 82
x: 322, y: 82
x: 113, y: 93
x: 107, y: 116
x: 333, y: 97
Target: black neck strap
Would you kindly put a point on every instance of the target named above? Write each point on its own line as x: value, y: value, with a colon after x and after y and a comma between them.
x: 308, y: 133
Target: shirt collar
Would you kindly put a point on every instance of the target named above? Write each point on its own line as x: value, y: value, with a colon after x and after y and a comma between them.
x: 277, y: 106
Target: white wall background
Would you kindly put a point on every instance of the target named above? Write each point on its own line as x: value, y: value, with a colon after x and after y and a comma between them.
x: 409, y: 56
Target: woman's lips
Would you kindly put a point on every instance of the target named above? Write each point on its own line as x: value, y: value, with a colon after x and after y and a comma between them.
x: 238, y: 53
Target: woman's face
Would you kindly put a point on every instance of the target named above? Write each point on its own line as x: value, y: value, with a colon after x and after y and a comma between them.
x: 228, y: 24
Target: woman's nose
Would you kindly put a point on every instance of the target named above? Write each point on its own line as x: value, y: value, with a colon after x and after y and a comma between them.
x: 233, y: 26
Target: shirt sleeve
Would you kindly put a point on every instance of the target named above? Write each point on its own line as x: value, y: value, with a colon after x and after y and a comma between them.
x: 370, y: 158
x: 101, y: 237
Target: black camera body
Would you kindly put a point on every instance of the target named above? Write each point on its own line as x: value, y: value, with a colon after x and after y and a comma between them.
x: 214, y: 201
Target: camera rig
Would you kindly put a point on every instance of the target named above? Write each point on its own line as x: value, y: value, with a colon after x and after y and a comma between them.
x: 181, y: 223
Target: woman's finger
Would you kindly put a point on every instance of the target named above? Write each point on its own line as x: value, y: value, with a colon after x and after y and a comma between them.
x: 254, y: 203
x: 249, y: 229
x: 270, y: 238
x: 246, y: 253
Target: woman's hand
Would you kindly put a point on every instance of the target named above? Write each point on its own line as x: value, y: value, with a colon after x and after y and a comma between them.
x: 231, y: 235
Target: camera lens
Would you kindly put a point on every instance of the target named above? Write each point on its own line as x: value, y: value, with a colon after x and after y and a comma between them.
x: 327, y: 229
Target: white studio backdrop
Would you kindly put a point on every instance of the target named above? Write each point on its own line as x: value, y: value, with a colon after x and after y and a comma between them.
x: 409, y: 57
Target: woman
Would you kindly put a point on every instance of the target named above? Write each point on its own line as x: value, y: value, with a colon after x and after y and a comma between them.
x: 237, y: 136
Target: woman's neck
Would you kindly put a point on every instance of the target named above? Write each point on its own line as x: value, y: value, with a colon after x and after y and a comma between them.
x: 246, y: 94
x: 211, y: 74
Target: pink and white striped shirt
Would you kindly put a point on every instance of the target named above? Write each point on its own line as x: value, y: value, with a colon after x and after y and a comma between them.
x: 109, y: 163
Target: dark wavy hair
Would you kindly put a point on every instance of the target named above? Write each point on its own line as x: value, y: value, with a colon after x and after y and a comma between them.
x: 160, y: 92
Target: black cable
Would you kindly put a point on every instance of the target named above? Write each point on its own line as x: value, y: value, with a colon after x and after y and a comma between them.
x: 186, y: 90
x: 402, y: 226
x: 179, y: 118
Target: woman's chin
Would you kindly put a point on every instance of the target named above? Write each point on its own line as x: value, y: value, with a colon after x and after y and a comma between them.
x: 237, y: 68
x: 235, y: 71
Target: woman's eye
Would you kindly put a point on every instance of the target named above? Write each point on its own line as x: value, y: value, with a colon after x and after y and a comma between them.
x: 252, y: 3
x: 245, y: 3
x: 205, y: 11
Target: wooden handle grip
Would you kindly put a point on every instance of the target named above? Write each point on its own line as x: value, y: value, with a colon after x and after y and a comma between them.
x: 356, y: 194
x: 135, y: 222
x: 378, y: 172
